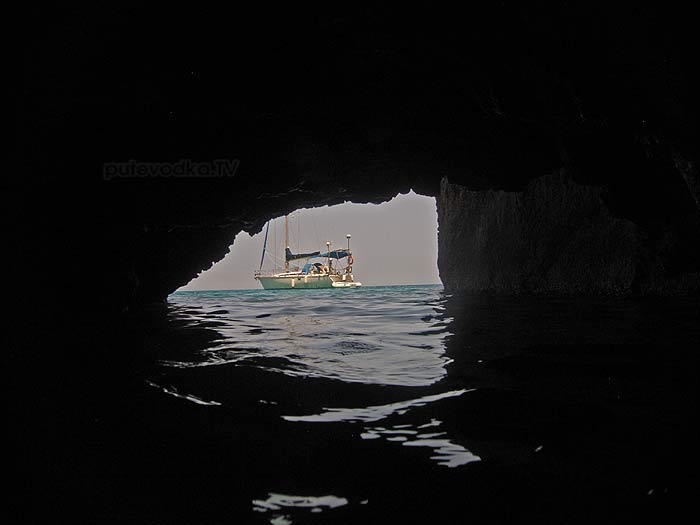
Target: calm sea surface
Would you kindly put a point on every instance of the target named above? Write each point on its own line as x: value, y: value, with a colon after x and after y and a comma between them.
x: 374, y: 335
x: 397, y: 404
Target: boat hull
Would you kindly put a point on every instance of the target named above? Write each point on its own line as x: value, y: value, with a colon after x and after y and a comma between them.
x: 291, y: 283
x: 350, y: 284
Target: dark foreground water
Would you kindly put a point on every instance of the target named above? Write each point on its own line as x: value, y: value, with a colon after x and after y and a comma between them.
x: 375, y: 405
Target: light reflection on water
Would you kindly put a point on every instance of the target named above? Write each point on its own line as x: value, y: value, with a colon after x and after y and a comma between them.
x: 373, y: 413
x: 188, y: 397
x: 447, y: 453
x: 377, y: 335
x: 384, y: 336
x: 281, y: 502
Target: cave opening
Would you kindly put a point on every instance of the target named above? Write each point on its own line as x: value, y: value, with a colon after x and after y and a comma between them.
x: 393, y: 243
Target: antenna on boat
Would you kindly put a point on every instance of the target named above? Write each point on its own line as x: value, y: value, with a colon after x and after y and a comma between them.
x: 348, y: 237
x: 328, y: 252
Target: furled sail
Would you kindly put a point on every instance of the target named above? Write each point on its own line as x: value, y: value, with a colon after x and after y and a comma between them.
x: 334, y: 254
x: 289, y: 256
x: 262, y: 257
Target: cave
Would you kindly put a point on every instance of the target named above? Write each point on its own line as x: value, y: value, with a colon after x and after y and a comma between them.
x: 560, y: 142
x: 560, y: 95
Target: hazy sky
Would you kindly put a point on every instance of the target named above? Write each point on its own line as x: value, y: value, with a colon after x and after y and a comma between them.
x: 392, y: 243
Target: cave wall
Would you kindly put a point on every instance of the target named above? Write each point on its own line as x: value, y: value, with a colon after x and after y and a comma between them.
x: 555, y: 237
x: 320, y: 108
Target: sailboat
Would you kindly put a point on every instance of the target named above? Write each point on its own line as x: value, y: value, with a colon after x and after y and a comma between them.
x: 320, y: 269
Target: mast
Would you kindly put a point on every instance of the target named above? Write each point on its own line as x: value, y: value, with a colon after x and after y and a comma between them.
x: 286, y: 241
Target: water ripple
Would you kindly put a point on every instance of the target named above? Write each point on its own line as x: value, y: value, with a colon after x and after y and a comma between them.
x: 446, y: 453
x: 280, y: 502
x: 373, y: 413
x: 188, y: 397
x: 370, y: 335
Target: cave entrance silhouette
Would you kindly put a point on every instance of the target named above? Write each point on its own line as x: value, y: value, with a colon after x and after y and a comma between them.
x: 394, y: 243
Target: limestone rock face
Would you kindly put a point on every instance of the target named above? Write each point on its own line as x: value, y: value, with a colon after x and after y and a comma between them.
x: 554, y: 237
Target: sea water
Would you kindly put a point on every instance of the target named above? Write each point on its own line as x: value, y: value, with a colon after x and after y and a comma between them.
x: 395, y: 404
x: 370, y: 361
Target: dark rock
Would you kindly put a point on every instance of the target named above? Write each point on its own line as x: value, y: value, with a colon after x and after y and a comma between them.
x: 320, y: 109
x: 554, y: 237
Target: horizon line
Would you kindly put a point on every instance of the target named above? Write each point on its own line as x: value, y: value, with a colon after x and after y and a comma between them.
x: 262, y: 289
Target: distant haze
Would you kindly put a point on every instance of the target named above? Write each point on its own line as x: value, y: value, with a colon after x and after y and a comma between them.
x: 392, y: 243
